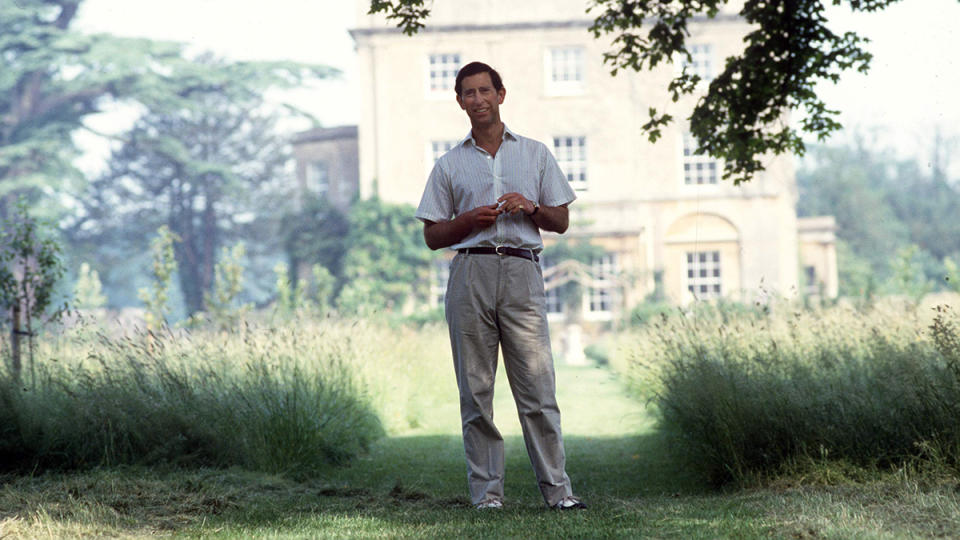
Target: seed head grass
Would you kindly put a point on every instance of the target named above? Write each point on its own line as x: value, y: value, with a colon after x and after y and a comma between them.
x: 745, y: 397
x: 290, y: 398
x: 411, y: 484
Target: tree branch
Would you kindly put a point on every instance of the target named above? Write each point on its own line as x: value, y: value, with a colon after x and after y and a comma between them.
x: 68, y: 9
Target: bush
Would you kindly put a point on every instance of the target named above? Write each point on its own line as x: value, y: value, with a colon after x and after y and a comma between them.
x: 598, y: 352
x: 744, y: 396
x: 648, y: 312
x: 269, y: 399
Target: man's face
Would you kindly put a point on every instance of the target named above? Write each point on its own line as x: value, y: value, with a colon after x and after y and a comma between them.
x: 480, y: 99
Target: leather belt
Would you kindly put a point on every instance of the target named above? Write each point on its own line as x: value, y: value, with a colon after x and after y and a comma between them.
x: 502, y: 250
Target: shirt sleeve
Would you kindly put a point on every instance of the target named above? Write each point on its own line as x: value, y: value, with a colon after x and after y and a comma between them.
x: 555, y: 189
x: 436, y: 204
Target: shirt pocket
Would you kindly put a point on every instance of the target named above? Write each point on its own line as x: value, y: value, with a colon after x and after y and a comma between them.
x: 524, y: 178
x: 471, y: 190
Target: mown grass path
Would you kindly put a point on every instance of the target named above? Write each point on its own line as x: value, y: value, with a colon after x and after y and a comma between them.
x: 606, y: 436
x: 413, y: 485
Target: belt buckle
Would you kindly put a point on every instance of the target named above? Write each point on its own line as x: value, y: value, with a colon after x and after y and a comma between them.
x: 498, y: 251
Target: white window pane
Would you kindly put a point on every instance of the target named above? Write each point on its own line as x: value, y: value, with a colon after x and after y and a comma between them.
x: 566, y: 64
x: 439, y: 148
x: 317, y: 178
x: 565, y: 69
x: 439, y: 276
x: 443, y: 71
x: 697, y: 169
x: 701, y: 61
x: 603, y: 270
x: 704, y: 274
x: 552, y: 291
x: 571, y: 155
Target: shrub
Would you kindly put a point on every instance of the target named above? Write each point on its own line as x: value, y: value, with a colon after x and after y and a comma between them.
x: 598, y: 352
x: 648, y: 312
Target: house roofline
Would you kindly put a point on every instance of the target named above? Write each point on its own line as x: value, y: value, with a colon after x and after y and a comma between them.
x: 325, y: 134
x: 522, y: 25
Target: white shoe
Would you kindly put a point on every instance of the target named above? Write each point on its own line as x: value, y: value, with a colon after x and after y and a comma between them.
x: 570, y: 503
x: 489, y: 503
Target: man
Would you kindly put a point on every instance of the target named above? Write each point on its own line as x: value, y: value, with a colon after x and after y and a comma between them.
x: 488, y: 198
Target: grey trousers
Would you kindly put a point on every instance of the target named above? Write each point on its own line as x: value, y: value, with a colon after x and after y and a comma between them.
x: 498, y: 301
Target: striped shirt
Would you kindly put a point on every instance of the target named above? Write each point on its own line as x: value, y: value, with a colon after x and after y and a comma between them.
x: 468, y: 176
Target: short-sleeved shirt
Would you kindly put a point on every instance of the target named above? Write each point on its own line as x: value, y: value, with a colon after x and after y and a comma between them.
x: 468, y: 176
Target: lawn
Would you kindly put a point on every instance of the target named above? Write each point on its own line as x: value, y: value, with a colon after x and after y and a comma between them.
x: 412, y: 484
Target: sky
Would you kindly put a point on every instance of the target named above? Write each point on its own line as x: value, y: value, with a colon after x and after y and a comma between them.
x: 910, y: 91
x: 309, y: 31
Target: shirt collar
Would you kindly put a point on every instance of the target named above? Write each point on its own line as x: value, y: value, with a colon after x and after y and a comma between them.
x: 507, y: 134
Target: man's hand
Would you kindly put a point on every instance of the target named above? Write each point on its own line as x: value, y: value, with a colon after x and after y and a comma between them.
x: 447, y: 233
x: 550, y: 218
x: 511, y: 203
x: 482, y: 217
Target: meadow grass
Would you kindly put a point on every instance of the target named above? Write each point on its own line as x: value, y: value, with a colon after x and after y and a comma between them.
x: 266, y: 398
x: 413, y: 485
x: 754, y: 394
x: 412, y: 482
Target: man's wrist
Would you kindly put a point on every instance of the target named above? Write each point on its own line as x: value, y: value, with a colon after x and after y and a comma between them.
x: 536, y: 208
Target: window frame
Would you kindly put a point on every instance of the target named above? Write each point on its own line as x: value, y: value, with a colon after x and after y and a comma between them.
x: 600, y: 296
x: 439, y: 277
x: 444, y: 72
x: 689, y: 160
x: 431, y: 154
x: 701, y: 62
x: 317, y: 183
x: 713, y: 269
x: 564, y: 87
x: 573, y: 165
x: 554, y: 306
x: 811, y: 279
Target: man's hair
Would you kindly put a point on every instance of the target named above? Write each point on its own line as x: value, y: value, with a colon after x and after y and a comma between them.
x: 472, y: 69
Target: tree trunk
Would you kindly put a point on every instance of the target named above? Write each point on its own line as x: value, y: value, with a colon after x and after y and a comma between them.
x: 15, y: 334
x: 7, y: 203
x: 189, y: 270
x: 185, y: 251
x: 209, y: 239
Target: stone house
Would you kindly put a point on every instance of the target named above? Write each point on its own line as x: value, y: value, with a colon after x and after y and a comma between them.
x: 663, y: 216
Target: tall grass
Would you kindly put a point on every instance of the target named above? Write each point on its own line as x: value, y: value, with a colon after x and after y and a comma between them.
x: 748, y: 395
x: 407, y: 369
x: 278, y: 399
